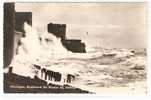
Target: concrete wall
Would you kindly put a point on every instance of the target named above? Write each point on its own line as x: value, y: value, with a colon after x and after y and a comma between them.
x: 9, y: 26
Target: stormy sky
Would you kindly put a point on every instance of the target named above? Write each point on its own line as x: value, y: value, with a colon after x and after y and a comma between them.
x: 109, y: 25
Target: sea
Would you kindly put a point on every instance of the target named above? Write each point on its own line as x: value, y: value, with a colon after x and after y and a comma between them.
x: 94, y: 70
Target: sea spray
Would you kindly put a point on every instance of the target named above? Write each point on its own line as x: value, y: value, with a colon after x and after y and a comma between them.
x: 36, y: 48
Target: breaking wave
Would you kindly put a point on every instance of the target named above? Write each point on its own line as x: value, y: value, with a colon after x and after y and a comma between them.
x: 98, y: 68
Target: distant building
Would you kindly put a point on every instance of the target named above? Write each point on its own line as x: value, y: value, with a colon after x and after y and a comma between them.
x: 74, y: 45
x: 20, y: 19
x: 59, y: 30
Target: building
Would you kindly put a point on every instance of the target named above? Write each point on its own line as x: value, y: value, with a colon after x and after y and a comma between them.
x: 13, y: 30
x: 73, y: 45
x: 9, y: 27
x: 20, y: 19
x: 59, y: 30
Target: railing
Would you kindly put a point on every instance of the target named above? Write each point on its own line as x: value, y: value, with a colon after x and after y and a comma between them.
x: 49, y: 75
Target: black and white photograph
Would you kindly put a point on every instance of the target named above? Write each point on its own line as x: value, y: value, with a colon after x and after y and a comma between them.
x: 75, y: 48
